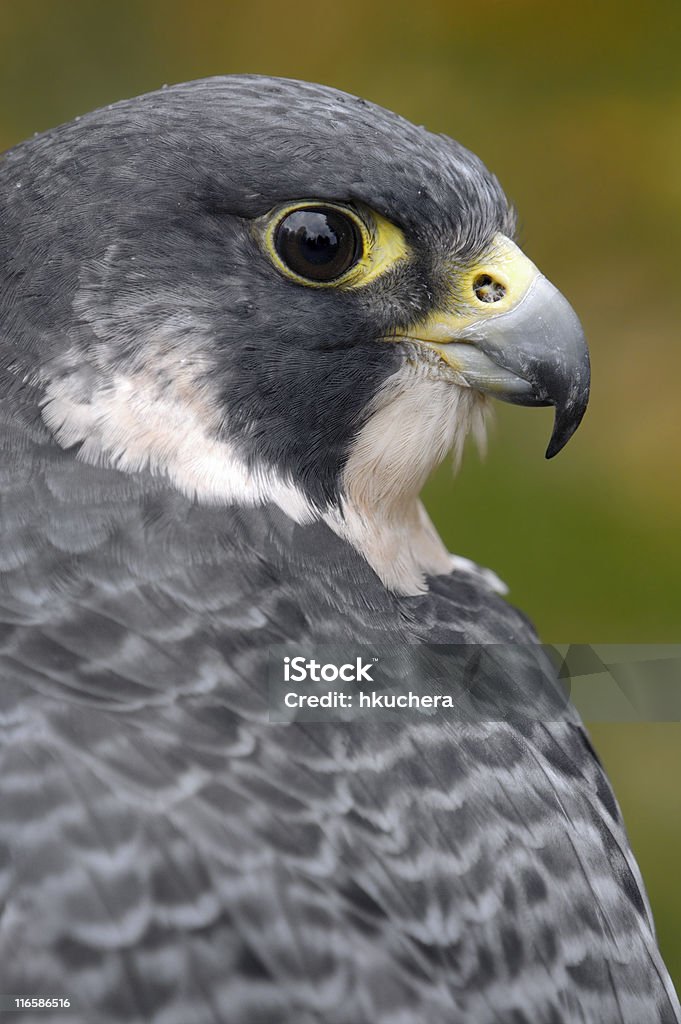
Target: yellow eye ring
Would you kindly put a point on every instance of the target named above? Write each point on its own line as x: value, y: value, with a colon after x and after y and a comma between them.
x: 317, y: 244
x: 326, y: 244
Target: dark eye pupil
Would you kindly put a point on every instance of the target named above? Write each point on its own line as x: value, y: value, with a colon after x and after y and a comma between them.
x: 318, y: 243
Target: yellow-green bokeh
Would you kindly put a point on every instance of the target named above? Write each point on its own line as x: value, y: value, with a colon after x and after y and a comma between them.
x: 577, y: 109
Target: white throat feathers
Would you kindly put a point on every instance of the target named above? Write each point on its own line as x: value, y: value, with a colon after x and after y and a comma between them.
x: 160, y: 413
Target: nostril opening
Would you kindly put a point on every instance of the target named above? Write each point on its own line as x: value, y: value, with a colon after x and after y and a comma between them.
x: 487, y: 289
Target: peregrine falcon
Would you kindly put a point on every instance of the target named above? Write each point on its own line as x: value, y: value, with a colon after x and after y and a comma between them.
x: 241, y: 320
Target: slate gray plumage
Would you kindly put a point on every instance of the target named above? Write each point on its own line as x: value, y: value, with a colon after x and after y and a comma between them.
x: 167, y: 854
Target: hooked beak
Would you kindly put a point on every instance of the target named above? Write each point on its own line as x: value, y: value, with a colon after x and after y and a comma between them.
x: 514, y: 337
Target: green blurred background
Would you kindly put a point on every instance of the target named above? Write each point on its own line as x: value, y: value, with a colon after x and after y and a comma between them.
x: 576, y: 107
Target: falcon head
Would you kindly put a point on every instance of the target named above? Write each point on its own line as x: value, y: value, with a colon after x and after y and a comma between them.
x: 270, y: 291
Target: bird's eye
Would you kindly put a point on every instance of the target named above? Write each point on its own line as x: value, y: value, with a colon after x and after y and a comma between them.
x: 318, y: 243
x: 326, y: 244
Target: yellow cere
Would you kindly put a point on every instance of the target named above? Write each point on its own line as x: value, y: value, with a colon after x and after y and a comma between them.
x: 508, y: 269
x: 383, y: 244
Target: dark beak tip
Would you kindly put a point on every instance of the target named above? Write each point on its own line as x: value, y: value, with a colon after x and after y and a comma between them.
x: 553, y: 448
x: 565, y: 425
